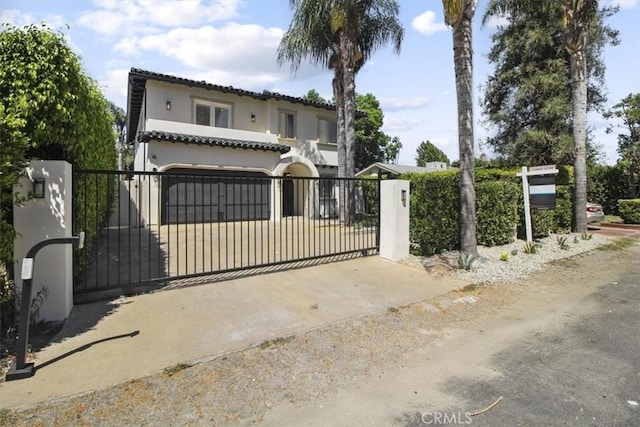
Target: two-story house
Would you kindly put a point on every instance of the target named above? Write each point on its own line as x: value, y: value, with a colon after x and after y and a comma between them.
x: 192, y: 127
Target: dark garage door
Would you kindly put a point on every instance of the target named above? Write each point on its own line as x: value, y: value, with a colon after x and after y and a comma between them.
x: 192, y: 195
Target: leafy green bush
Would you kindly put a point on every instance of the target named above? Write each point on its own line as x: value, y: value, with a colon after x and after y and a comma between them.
x: 563, y: 213
x: 435, y: 209
x: 508, y: 175
x: 369, y: 188
x: 51, y: 110
x: 551, y: 221
x: 629, y: 210
x: 606, y: 185
x: 496, y: 212
x: 565, y: 175
x: 434, y: 212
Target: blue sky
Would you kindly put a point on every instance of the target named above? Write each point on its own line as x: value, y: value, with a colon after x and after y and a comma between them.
x: 234, y: 42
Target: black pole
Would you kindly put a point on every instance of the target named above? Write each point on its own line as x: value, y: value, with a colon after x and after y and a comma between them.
x: 20, y: 368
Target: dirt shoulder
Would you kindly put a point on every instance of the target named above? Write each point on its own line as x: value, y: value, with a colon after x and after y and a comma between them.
x: 290, y: 376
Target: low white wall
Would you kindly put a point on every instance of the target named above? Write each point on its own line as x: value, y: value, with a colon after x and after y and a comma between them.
x: 36, y: 220
x: 394, y: 219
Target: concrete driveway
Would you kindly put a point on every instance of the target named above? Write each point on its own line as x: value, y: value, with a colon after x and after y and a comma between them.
x: 134, y: 256
x: 105, y: 343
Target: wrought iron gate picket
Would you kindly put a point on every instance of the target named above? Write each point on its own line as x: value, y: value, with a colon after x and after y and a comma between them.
x: 145, y: 229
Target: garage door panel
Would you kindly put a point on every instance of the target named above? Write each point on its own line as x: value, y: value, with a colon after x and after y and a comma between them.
x: 210, y: 196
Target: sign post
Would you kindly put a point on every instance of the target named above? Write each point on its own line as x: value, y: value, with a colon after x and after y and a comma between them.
x: 539, y: 191
x: 20, y: 368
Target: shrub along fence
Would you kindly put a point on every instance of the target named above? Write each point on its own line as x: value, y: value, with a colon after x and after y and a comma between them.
x: 435, y: 207
x: 629, y: 210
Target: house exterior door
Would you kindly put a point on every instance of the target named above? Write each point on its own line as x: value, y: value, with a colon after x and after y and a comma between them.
x: 287, y: 197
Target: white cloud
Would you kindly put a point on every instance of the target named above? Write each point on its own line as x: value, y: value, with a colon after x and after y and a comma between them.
x: 114, y: 85
x: 232, y: 46
x: 425, y: 23
x: 20, y: 19
x: 127, y: 46
x: 256, y: 81
x: 150, y: 16
x: 398, y: 104
x: 625, y: 4
x: 399, y: 123
x: 497, y: 21
x: 447, y: 142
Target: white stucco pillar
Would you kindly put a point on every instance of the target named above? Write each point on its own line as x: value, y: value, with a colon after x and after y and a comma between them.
x: 394, y: 219
x: 39, y: 219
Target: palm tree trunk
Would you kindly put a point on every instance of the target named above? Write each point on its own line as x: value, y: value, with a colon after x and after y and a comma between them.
x: 579, y: 94
x: 348, y: 52
x: 462, y: 52
x: 338, y: 94
x: 350, y: 142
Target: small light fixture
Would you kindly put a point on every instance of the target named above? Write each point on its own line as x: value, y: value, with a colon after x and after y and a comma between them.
x: 38, y: 188
x: 403, y: 198
x: 253, y: 118
x: 168, y: 105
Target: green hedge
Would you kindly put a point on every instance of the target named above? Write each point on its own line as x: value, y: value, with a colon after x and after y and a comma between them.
x: 497, y: 207
x: 51, y: 110
x: 435, y: 209
x: 629, y: 210
x: 606, y: 185
x: 434, y: 212
x: 559, y: 220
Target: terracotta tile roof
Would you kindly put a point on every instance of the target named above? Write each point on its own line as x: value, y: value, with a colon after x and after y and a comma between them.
x: 212, y: 141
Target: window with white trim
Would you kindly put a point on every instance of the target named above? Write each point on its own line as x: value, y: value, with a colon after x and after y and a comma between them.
x: 327, y: 130
x: 212, y: 114
x: 287, y: 125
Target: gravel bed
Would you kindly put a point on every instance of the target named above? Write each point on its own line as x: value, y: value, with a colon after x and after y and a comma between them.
x: 490, y: 269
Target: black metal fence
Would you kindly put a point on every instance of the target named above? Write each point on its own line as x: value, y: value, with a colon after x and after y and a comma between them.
x: 151, y: 229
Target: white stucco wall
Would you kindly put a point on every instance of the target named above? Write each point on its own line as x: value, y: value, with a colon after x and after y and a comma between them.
x: 394, y: 219
x: 36, y: 220
x: 267, y: 115
x: 182, y: 105
x: 318, y: 153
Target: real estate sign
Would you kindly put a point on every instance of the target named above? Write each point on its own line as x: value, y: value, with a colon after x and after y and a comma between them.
x: 539, y: 190
x: 542, y: 192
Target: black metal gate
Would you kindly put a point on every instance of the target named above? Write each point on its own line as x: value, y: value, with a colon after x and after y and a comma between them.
x: 147, y: 230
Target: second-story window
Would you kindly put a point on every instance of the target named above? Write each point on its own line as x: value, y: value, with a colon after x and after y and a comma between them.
x: 287, y: 125
x: 212, y: 114
x: 327, y: 130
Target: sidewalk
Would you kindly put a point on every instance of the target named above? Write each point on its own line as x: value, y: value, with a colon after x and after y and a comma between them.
x: 107, y: 343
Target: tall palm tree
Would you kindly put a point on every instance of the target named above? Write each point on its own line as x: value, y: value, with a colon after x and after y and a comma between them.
x: 578, y: 17
x: 459, y: 15
x: 341, y: 35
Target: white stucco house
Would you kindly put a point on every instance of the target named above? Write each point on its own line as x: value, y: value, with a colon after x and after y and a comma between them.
x: 194, y: 127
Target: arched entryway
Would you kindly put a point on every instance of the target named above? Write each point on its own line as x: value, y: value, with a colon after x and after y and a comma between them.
x: 297, y: 190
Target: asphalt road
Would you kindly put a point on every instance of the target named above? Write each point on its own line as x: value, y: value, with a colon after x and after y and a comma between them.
x: 584, y: 371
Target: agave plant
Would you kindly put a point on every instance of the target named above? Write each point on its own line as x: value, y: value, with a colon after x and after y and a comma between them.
x: 466, y: 260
